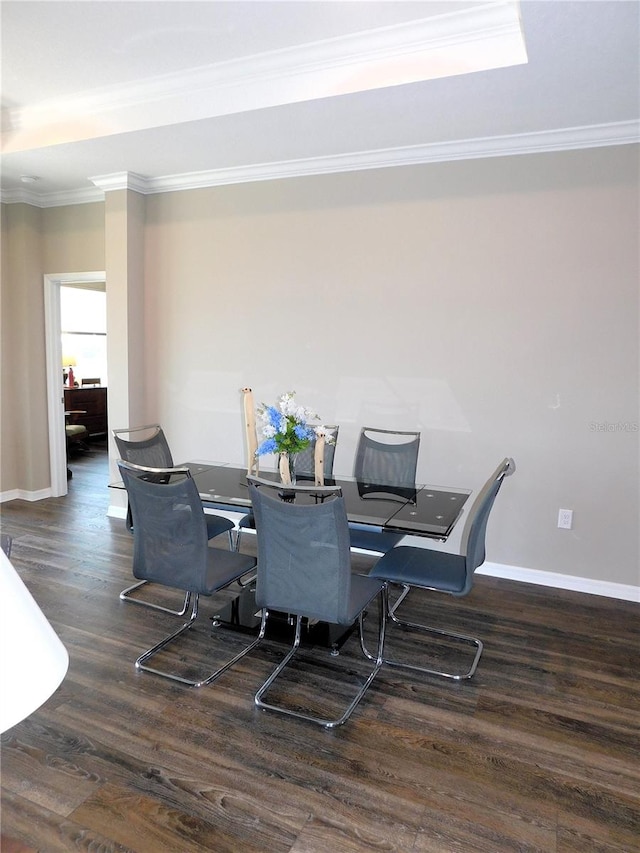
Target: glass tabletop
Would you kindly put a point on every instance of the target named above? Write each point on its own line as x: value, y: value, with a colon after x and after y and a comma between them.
x: 422, y: 510
x: 434, y: 513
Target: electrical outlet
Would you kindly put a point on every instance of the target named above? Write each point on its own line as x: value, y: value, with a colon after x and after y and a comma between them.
x: 565, y: 519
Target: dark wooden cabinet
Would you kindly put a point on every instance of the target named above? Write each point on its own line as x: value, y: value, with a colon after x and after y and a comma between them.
x: 93, y: 401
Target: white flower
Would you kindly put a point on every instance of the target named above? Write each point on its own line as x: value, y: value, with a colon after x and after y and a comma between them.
x: 284, y: 426
x: 329, y: 434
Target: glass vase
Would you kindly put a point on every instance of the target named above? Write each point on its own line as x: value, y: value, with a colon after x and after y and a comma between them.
x: 287, y: 468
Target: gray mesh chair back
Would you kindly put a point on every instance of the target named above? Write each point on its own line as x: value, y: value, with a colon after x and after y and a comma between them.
x: 306, y: 460
x: 472, y: 544
x: 387, y: 457
x: 385, y: 467
x: 305, y: 471
x: 170, y: 541
x: 444, y: 572
x: 304, y: 570
x: 146, y: 445
x: 305, y: 562
x: 171, y: 548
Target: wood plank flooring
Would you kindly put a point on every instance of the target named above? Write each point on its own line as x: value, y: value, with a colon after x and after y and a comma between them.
x: 539, y: 752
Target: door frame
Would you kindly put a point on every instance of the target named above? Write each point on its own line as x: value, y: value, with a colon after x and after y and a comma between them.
x: 55, y: 395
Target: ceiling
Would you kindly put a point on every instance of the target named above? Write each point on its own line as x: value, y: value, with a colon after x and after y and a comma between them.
x: 160, y: 95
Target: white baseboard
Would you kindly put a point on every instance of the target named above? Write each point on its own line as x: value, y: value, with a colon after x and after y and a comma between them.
x: 22, y: 495
x: 625, y: 592
x: 116, y: 511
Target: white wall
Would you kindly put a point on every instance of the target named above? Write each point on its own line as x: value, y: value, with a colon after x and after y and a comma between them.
x: 492, y: 304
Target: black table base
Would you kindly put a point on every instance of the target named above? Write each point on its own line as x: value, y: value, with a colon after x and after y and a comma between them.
x: 242, y: 614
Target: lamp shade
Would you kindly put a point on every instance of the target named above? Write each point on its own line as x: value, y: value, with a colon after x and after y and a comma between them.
x: 33, y: 660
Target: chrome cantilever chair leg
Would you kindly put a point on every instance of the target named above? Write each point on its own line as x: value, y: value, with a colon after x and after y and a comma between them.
x: 327, y: 723
x: 436, y: 632
x: 409, y: 567
x: 141, y: 661
x: 125, y: 595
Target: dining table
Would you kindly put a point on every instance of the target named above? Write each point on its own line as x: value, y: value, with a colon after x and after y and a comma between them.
x: 412, y: 509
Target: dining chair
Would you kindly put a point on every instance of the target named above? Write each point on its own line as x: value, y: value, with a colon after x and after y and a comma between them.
x: 171, y: 548
x: 425, y: 568
x: 306, y: 459
x: 148, y: 446
x: 304, y: 570
x: 144, y: 445
x: 385, y: 468
x: 76, y: 433
x: 305, y: 471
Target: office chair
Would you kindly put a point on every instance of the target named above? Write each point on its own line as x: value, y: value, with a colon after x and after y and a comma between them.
x: 305, y: 472
x: 385, y: 468
x: 304, y: 570
x: 148, y: 446
x: 443, y: 572
x: 171, y: 548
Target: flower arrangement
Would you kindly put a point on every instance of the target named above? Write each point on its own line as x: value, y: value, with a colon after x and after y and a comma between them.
x: 285, y: 426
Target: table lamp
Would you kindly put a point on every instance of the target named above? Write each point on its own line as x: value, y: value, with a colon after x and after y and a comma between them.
x: 33, y: 660
x: 69, y: 361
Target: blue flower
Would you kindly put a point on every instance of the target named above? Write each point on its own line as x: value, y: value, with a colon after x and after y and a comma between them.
x: 267, y: 446
x: 284, y: 427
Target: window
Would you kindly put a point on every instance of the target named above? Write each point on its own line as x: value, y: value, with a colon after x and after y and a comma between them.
x: 83, y: 316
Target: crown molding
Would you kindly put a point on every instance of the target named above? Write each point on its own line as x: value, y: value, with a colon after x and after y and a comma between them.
x: 122, y: 181
x: 563, y: 139
x: 57, y: 199
x: 469, y: 39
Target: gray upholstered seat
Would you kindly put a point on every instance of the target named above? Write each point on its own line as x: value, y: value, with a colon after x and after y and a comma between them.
x: 304, y: 570
x: 385, y: 467
x: 171, y: 548
x: 444, y: 572
x: 148, y: 446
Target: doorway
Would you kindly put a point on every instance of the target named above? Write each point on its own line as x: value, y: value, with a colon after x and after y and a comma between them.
x: 53, y: 343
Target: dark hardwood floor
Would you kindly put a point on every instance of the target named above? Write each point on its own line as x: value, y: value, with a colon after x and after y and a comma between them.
x: 539, y: 752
